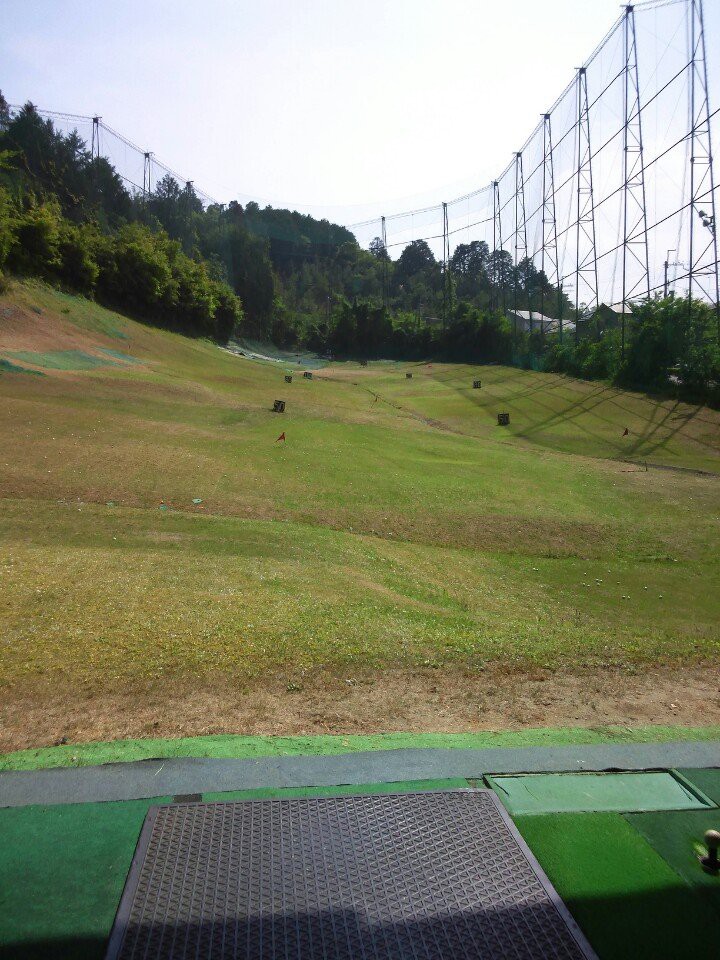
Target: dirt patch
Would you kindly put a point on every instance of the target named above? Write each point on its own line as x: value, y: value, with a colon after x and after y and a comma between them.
x: 415, y: 701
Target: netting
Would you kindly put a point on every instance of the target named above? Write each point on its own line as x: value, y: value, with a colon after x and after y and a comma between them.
x: 610, y: 199
x: 139, y: 169
x: 611, y: 195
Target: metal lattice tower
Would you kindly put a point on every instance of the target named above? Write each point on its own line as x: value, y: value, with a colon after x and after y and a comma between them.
x: 521, y: 247
x: 586, y: 277
x: 549, y: 261
x: 703, y: 251
x: 635, y: 260
x: 497, y: 247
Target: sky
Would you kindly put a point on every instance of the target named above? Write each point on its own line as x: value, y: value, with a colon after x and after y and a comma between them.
x: 345, y: 109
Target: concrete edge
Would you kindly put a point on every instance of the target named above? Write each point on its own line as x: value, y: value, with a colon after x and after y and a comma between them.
x: 145, y: 779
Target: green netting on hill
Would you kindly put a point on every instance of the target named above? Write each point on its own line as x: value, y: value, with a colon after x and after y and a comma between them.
x: 63, y: 359
x: 6, y: 366
x: 260, y: 350
x: 117, y: 355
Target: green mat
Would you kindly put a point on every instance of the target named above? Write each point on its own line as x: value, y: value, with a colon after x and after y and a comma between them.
x: 63, y: 868
x: 629, y: 902
x: 578, y: 792
x: 707, y: 781
x: 677, y: 837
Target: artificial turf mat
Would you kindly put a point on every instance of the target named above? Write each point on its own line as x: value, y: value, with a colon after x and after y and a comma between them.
x: 629, y: 902
x: 708, y: 781
x: 63, y: 868
x: 242, y: 747
x: 578, y: 792
x: 62, y: 871
x: 678, y: 838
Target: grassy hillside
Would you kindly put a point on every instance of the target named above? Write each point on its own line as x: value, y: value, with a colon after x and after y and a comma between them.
x: 152, y: 527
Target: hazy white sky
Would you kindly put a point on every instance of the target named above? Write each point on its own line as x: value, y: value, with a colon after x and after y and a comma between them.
x: 348, y: 107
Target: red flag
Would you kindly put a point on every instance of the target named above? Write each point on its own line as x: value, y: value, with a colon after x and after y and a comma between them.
x: 281, y: 437
x: 626, y: 432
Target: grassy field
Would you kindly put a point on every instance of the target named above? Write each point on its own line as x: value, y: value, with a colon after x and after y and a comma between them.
x: 154, y: 532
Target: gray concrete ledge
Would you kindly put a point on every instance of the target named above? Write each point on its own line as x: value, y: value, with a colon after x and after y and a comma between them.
x: 159, y: 778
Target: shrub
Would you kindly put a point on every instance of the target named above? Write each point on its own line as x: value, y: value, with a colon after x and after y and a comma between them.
x: 36, y: 240
x: 78, y: 267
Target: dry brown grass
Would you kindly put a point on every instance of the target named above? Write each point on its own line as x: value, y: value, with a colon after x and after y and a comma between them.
x: 325, y: 702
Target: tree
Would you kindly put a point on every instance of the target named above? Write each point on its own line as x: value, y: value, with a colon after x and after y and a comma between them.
x: 378, y: 250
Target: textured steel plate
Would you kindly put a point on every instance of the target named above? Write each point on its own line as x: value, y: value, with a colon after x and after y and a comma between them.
x: 420, y: 875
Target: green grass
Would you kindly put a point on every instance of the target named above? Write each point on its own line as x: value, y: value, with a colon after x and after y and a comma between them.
x: 369, y: 539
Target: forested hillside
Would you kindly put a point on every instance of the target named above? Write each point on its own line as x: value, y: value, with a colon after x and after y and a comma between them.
x: 224, y: 269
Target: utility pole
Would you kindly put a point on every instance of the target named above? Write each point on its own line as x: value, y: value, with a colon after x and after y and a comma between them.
x: 635, y: 234
x: 666, y: 286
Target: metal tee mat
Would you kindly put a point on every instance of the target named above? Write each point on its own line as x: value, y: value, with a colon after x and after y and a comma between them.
x: 420, y: 875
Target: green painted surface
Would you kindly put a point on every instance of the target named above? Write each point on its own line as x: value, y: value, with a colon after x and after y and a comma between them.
x: 585, y: 792
x: 629, y: 902
x: 678, y: 838
x: 89, y: 754
x: 408, y: 786
x: 7, y: 367
x: 62, y: 359
x: 118, y: 355
x: 63, y: 868
x: 707, y: 781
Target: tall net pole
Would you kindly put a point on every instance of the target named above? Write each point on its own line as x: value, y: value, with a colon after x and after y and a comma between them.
x: 383, y: 234
x: 520, y: 239
x: 703, y: 223
x: 446, y: 266
x: 586, y: 277
x: 147, y: 185
x: 549, y: 260
x: 635, y: 257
